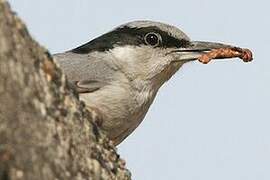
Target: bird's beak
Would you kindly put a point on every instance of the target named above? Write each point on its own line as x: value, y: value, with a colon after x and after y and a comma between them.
x: 196, y: 49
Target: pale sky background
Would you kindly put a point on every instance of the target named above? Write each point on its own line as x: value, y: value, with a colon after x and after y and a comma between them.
x: 209, y: 122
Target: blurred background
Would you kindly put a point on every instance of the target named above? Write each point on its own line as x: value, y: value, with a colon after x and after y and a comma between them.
x: 208, y: 122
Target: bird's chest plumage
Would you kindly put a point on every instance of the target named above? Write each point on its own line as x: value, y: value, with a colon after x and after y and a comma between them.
x: 142, y: 100
x: 122, y: 107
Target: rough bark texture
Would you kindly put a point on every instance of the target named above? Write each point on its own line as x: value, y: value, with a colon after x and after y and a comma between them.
x: 45, y: 131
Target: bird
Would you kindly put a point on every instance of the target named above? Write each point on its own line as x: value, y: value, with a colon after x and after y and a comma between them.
x: 118, y: 74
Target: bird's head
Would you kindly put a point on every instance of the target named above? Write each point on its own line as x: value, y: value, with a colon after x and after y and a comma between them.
x: 147, y: 50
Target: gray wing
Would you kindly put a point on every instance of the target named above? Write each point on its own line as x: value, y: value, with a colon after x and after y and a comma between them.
x: 87, y: 72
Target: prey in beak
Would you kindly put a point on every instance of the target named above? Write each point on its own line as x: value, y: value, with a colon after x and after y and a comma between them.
x: 206, y: 51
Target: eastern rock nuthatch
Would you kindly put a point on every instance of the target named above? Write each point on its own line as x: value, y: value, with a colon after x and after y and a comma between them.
x: 119, y: 73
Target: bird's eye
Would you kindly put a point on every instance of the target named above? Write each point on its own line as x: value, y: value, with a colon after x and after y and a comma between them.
x: 152, y: 39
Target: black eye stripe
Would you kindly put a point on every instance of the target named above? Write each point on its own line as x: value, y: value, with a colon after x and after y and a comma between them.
x: 129, y: 36
x: 168, y: 41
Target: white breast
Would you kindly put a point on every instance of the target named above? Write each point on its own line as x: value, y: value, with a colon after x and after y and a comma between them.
x: 123, y: 108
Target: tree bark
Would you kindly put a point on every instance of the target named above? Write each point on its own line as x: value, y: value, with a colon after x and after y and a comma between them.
x: 45, y: 131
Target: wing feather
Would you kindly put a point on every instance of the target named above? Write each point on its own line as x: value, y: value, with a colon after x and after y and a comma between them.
x: 87, y: 73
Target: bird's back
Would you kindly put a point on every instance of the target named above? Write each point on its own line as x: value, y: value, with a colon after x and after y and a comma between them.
x: 85, y: 67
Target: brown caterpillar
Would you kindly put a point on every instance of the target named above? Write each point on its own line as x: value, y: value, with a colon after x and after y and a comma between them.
x: 244, y: 54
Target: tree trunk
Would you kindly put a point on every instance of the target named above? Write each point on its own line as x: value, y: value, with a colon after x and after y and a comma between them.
x: 45, y: 131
